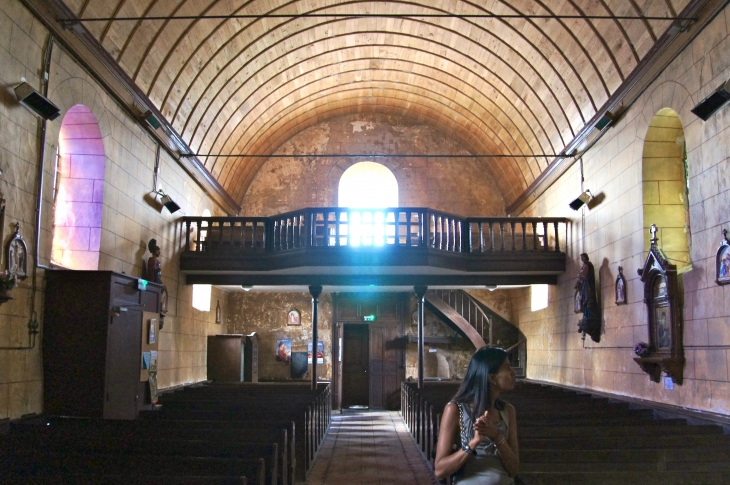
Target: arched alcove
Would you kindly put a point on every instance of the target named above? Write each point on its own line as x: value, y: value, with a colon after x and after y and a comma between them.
x: 367, y: 185
x: 80, y: 191
x: 665, y: 190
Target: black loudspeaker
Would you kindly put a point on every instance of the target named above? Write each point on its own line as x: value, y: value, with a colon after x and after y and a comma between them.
x: 711, y: 104
x: 36, y: 102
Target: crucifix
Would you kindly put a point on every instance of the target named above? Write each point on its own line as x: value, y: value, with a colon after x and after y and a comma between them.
x: 653, y: 231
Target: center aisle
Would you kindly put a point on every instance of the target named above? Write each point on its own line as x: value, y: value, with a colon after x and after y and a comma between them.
x: 369, y: 448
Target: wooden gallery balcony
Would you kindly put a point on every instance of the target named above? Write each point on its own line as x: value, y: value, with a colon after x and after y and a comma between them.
x: 364, y: 247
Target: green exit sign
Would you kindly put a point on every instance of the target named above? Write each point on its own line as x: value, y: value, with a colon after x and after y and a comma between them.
x: 369, y: 318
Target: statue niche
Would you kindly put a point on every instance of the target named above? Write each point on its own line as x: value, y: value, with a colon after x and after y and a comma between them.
x: 663, y: 304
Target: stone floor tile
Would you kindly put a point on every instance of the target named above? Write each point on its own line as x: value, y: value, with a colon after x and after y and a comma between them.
x: 369, y: 448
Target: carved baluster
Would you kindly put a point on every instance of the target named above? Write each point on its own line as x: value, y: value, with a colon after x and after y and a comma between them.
x: 469, y: 236
x: 187, y: 236
x: 491, y: 236
x: 446, y: 226
x: 282, y: 234
x: 501, y: 233
x: 302, y: 233
x: 275, y: 241
x: 481, y: 237
x: 545, y: 236
x: 439, y: 224
x: 290, y: 232
x: 338, y: 215
x: 524, y: 236
x: 557, y: 242
x: 534, y: 235
x: 514, y: 241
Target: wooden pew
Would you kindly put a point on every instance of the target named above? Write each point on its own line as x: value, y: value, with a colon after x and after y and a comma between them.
x: 33, y: 466
x: 223, y: 434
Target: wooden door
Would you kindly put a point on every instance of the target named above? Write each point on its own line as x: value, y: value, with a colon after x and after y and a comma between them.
x: 355, y: 356
x: 386, y: 356
x: 123, y: 362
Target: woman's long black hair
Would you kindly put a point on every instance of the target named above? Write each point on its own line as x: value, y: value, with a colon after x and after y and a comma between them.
x: 475, y: 386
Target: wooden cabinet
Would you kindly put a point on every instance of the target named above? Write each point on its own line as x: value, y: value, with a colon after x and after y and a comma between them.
x: 92, y: 329
x: 233, y: 357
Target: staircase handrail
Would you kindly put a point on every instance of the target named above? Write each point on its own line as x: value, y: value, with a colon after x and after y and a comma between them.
x: 480, y: 316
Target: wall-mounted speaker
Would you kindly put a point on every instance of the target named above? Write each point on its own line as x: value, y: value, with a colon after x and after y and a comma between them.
x: 711, y: 104
x: 36, y: 102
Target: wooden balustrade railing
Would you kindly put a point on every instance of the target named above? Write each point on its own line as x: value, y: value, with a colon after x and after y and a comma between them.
x: 403, y: 227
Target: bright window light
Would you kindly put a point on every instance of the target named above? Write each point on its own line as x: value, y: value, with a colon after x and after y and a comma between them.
x: 539, y: 297
x: 367, y: 185
x: 201, y: 297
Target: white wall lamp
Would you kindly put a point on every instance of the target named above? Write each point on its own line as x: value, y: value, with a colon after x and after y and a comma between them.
x: 167, y: 201
x: 581, y: 200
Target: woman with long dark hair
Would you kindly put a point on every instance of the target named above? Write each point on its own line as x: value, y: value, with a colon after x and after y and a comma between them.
x: 478, y: 436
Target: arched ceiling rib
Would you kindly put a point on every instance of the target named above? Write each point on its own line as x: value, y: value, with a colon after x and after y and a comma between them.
x: 511, y: 86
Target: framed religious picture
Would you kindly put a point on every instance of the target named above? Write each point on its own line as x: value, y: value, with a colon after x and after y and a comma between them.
x: 320, y: 352
x: 722, y: 265
x: 576, y: 302
x: 16, y: 255
x: 294, y: 318
x: 283, y: 350
x: 163, y: 301
x: 620, y: 287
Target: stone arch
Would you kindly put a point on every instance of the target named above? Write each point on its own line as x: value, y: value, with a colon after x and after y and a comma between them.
x: 665, y: 186
x: 341, y: 165
x: 80, y: 194
x: 74, y: 91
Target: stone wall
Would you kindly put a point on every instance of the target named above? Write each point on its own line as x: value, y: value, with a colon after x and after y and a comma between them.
x: 458, y: 186
x: 266, y: 314
x: 130, y: 217
x: 613, y: 235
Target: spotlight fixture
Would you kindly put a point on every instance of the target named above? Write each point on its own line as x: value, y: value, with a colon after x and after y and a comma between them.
x: 167, y: 201
x: 247, y: 287
x: 712, y: 104
x: 36, y: 102
x: 581, y: 200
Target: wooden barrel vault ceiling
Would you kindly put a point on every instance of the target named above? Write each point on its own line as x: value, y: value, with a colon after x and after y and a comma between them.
x: 513, y: 78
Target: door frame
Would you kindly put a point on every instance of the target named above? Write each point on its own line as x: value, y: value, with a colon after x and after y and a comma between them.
x: 338, y: 367
x: 338, y: 331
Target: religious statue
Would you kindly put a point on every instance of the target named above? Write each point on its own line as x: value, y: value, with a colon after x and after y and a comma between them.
x: 154, y: 269
x: 154, y: 274
x: 591, y: 322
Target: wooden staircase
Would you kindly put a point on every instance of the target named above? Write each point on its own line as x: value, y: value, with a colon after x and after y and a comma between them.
x: 478, y: 323
x: 572, y: 438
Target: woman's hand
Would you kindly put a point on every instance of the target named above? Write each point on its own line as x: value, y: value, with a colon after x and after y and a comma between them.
x: 484, y: 429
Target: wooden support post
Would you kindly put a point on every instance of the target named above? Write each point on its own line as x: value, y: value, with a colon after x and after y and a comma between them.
x: 420, y: 295
x: 315, y: 291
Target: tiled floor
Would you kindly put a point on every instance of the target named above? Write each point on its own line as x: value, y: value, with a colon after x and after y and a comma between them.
x: 369, y: 448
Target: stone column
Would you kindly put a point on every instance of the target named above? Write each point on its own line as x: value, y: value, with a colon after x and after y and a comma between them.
x: 420, y: 294
x: 315, y: 291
